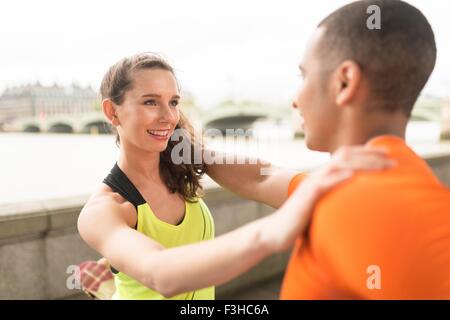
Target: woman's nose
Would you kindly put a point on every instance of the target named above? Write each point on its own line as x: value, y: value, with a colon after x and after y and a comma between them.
x: 167, y: 113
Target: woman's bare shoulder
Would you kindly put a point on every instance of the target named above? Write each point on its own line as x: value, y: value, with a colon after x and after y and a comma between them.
x: 104, y: 199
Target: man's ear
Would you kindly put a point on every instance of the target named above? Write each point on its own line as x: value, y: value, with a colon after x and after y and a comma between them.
x: 347, y: 80
x: 110, y: 111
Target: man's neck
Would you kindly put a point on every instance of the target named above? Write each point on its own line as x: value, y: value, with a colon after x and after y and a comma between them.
x: 359, y: 130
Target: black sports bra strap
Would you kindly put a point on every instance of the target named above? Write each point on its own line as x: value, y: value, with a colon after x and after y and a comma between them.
x: 119, y: 182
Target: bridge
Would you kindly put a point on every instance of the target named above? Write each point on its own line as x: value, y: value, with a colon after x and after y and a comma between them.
x: 92, y: 122
x: 233, y: 116
x: 228, y: 115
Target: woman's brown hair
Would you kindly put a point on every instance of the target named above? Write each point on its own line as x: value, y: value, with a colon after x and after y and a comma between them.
x: 183, y: 178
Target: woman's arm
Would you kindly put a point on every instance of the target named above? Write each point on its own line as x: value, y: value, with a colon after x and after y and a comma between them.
x: 189, y: 267
x: 263, y: 182
x: 176, y: 270
x: 252, y: 179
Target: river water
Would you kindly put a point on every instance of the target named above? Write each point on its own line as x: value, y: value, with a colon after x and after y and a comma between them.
x: 40, y: 166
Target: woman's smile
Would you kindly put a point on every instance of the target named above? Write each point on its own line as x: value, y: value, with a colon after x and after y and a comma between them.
x: 159, y: 134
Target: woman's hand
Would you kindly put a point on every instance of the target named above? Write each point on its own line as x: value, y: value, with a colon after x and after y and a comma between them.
x: 293, y: 217
x: 344, y: 163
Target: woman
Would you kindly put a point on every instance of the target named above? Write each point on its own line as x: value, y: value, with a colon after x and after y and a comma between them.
x: 147, y: 218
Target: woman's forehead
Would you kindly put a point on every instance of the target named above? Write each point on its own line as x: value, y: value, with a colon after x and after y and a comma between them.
x: 154, y: 81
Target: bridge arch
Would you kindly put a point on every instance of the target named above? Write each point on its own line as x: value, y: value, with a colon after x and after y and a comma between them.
x: 97, y: 127
x: 31, y: 127
x: 60, y: 127
x: 234, y: 122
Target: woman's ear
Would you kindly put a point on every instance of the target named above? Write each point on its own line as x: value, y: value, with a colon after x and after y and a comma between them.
x: 348, y: 78
x: 110, y: 111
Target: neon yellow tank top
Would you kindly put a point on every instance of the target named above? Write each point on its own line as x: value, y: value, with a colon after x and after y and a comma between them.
x: 197, y: 225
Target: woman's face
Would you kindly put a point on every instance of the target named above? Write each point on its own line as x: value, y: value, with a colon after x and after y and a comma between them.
x: 150, y: 111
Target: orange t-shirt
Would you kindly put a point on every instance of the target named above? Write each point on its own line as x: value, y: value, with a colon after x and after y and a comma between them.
x: 380, y: 235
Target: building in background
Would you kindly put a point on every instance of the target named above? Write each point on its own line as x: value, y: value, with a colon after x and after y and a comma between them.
x: 38, y: 101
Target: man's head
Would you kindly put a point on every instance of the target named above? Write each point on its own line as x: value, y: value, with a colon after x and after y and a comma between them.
x: 351, y: 70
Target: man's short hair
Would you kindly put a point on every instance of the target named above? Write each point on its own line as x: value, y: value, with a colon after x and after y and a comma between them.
x: 397, y: 59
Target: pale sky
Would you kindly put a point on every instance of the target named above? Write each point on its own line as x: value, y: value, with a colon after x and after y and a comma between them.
x: 243, y: 49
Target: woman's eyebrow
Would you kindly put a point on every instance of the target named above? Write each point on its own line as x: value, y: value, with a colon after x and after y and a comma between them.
x: 153, y: 95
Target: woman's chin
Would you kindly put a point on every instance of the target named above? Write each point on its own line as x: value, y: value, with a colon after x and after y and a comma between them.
x: 155, y: 147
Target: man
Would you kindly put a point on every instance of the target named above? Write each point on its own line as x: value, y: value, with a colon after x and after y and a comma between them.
x: 386, y: 234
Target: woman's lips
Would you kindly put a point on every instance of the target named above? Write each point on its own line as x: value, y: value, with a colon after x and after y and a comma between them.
x: 159, y: 134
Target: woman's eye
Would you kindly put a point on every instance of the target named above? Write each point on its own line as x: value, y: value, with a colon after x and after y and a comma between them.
x: 150, y: 102
x: 174, y: 103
